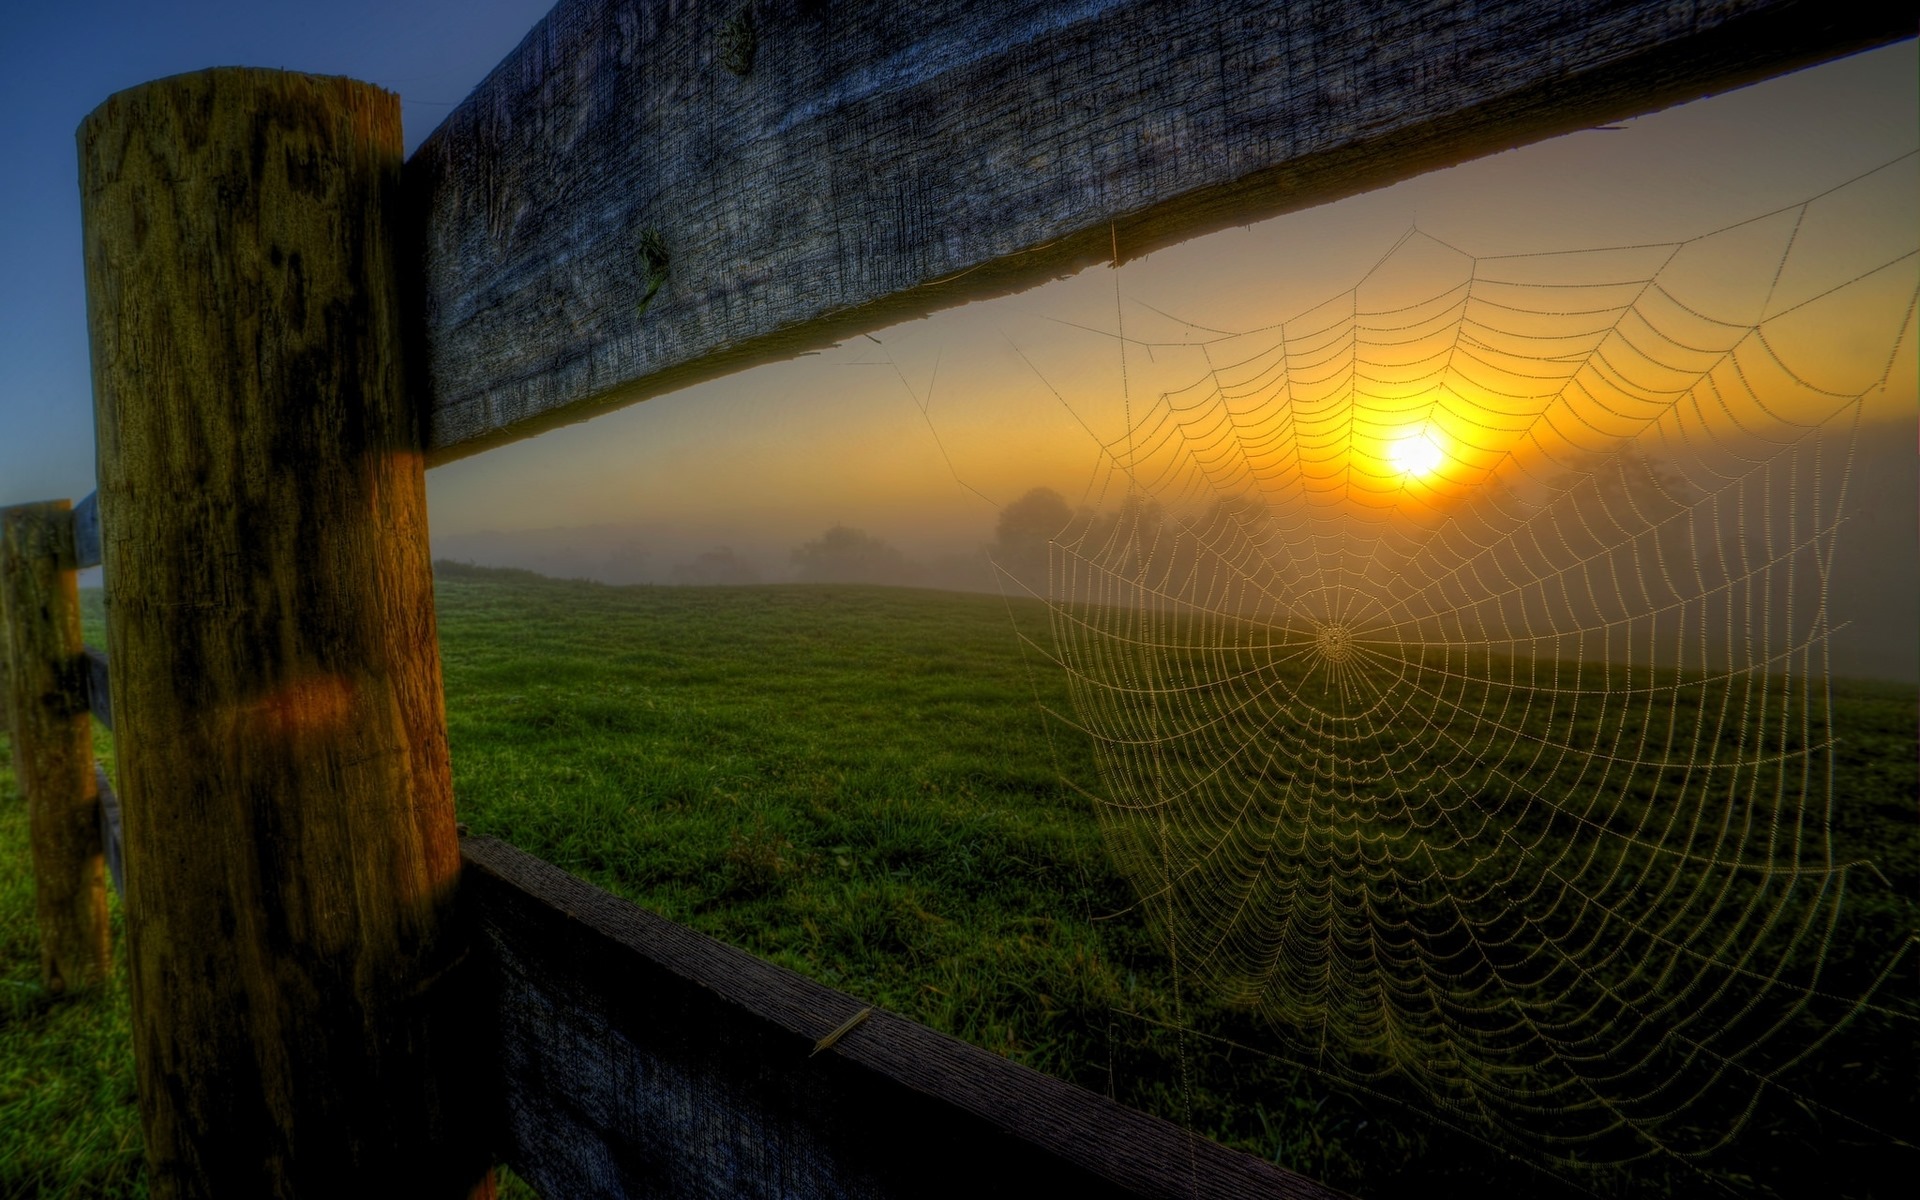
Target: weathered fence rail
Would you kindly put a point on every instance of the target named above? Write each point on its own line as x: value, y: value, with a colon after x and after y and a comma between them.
x: 99, y: 695
x: 287, y: 322
x: 86, y: 532
x: 877, y: 161
x: 637, y: 1055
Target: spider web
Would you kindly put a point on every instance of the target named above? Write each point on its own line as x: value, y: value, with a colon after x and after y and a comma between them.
x: 1455, y: 657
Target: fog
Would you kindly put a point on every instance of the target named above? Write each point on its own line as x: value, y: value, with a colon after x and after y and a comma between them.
x: 1860, y: 583
x: 660, y: 554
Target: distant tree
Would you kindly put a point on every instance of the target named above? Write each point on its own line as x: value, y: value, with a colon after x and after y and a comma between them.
x: 1618, y: 538
x: 846, y: 555
x: 1609, y: 497
x: 719, y: 567
x: 1022, y: 534
x: 1128, y: 545
x: 1239, y: 562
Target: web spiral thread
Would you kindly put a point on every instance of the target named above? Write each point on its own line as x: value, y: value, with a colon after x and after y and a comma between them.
x: 1455, y: 656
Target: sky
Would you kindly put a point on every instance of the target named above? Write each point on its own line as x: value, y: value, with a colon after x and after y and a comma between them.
x: 62, y: 60
x: 923, y: 432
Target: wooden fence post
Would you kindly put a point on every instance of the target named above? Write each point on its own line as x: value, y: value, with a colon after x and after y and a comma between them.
x: 291, y: 855
x: 53, y: 743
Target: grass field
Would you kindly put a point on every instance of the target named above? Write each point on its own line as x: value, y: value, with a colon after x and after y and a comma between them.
x: 855, y: 783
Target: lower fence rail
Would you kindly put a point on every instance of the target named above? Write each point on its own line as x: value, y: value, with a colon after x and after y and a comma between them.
x: 638, y: 1057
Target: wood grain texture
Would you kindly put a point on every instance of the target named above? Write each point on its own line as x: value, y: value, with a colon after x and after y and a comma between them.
x: 291, y: 856
x: 53, y: 743
x: 615, y: 212
x: 638, y: 1057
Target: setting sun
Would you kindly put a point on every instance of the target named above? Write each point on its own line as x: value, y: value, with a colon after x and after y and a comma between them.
x: 1417, y: 455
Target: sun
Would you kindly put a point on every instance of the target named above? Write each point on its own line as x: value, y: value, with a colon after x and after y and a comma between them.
x: 1416, y: 455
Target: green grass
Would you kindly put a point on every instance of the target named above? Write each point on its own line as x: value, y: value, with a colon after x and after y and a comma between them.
x: 68, y: 1122
x: 855, y: 783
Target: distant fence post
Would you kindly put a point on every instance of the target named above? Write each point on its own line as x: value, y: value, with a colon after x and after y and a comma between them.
x: 291, y: 854
x: 53, y: 742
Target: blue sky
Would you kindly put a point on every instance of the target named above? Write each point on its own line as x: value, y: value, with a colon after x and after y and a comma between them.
x: 61, y: 60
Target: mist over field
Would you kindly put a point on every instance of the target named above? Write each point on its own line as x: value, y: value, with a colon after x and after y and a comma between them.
x: 639, y: 553
x: 1873, y: 593
x: 1875, y: 590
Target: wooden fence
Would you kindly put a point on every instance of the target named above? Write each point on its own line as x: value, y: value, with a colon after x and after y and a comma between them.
x: 622, y: 1052
x: 333, y: 993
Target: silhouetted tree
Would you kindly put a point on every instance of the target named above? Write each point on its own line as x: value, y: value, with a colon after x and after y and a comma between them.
x: 1240, y: 566
x: 846, y: 555
x: 1126, y: 548
x: 1022, y: 534
x: 1609, y: 559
